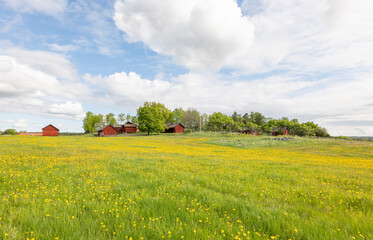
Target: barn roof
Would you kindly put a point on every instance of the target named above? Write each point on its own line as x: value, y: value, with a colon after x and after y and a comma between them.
x: 129, y: 124
x: 117, y: 125
x: 51, y: 126
x: 173, y: 125
x: 100, y: 129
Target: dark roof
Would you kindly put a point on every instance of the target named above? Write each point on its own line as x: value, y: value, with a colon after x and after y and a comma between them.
x: 51, y: 126
x: 173, y: 125
x: 129, y: 124
x: 100, y: 129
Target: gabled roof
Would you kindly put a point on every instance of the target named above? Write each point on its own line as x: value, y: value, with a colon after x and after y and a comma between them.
x: 117, y: 125
x: 51, y: 126
x: 129, y: 124
x: 100, y: 129
x: 173, y: 125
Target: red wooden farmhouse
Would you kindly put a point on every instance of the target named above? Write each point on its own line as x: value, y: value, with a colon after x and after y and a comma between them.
x: 50, y: 130
x: 110, y: 130
x: 107, y: 130
x: 174, y: 128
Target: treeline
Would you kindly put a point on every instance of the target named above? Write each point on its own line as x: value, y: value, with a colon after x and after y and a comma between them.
x: 152, y: 118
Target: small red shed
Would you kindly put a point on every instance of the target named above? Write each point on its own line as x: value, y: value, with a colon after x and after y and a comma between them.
x: 108, y: 130
x: 50, y: 130
x: 174, y: 128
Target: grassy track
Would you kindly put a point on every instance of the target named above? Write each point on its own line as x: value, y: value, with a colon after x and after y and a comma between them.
x: 185, y: 187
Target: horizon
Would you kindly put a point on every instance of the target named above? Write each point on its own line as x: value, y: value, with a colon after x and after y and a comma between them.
x: 310, y: 60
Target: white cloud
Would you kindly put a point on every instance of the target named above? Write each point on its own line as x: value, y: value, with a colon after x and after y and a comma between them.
x: 21, y: 123
x: 302, y: 36
x: 198, y: 34
x: 38, y: 86
x: 62, y: 48
x: 74, y: 110
x: 307, y: 36
x: 53, y: 8
x: 51, y: 63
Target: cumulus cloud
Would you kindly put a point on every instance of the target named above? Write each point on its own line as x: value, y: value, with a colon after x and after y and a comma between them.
x: 51, y: 63
x: 74, y: 110
x: 54, y: 7
x: 198, y: 34
x: 320, y: 35
x: 38, y: 86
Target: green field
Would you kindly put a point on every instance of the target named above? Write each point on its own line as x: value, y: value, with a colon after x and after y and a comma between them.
x: 197, y: 186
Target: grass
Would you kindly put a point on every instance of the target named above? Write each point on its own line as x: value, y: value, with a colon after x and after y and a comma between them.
x: 195, y: 186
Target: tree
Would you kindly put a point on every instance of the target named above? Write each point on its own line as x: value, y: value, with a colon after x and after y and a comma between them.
x: 257, y: 118
x: 110, y: 119
x: 134, y: 119
x: 129, y: 118
x: 191, y: 119
x: 219, y: 122
x: 10, y: 132
x: 178, y: 114
x: 92, y: 122
x: 151, y: 117
x: 121, y: 118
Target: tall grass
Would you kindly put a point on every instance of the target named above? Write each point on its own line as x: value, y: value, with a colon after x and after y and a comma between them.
x: 185, y: 187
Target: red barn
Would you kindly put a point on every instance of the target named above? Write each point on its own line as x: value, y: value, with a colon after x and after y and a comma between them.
x: 107, y: 131
x: 130, y: 128
x: 50, y: 130
x: 174, y: 128
x: 119, y: 128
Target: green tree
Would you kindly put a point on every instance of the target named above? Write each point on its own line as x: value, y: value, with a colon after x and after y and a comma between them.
x: 134, y: 119
x: 257, y: 118
x: 92, y: 122
x: 151, y: 117
x: 10, y: 132
x: 110, y: 119
x: 219, y: 122
x: 129, y: 118
x: 121, y: 118
x: 191, y: 119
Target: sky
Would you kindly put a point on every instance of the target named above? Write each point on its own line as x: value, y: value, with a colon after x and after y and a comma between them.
x: 305, y: 59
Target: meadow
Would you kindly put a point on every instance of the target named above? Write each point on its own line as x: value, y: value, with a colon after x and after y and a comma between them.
x: 185, y: 186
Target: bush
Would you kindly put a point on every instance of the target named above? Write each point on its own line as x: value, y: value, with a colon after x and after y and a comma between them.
x: 10, y: 132
x: 188, y: 130
x: 321, y: 132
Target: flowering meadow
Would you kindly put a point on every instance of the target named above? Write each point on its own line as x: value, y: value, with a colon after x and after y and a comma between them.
x: 196, y: 186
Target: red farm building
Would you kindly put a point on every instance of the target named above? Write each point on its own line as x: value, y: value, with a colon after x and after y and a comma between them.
x: 129, y: 127
x: 50, y: 130
x: 108, y: 130
x: 174, y: 128
x: 119, y: 128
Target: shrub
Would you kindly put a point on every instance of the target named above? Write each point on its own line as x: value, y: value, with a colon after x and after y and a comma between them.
x: 10, y: 132
x: 188, y: 130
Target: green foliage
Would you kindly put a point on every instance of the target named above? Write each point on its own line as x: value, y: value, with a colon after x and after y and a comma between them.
x: 121, y: 118
x: 220, y: 122
x: 134, y: 119
x: 92, y: 122
x: 110, y: 119
x: 152, y: 116
x: 10, y: 132
x: 175, y: 116
x: 191, y: 119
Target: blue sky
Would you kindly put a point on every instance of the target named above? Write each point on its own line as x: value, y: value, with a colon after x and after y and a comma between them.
x: 311, y: 60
